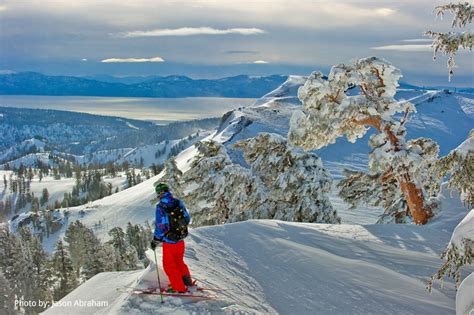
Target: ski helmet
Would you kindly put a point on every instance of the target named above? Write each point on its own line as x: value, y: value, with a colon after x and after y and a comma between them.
x: 161, y: 188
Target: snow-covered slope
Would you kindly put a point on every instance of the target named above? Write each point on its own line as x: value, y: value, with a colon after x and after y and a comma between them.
x: 444, y: 117
x: 130, y: 205
x: 31, y: 134
x: 297, y: 268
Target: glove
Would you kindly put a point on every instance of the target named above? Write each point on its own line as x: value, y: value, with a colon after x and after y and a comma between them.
x: 155, y: 242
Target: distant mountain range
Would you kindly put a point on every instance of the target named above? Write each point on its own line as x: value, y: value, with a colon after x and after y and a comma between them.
x: 33, y: 83
x: 244, y: 86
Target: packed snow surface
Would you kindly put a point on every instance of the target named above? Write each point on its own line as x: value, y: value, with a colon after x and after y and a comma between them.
x: 464, y: 296
x: 281, y: 267
x: 268, y: 266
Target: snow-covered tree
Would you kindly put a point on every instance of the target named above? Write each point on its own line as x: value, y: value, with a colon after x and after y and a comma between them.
x: 100, y: 258
x: 332, y: 111
x: 125, y: 254
x: 41, y: 273
x: 296, y: 180
x: 206, y: 185
x: 44, y: 197
x: 83, y: 246
x: 25, y: 265
x: 76, y: 245
x: 7, y: 296
x: 173, y: 175
x: 10, y: 267
x: 63, y: 272
x: 449, y: 43
x: 459, y: 253
x: 459, y: 165
x: 138, y: 237
x: 283, y: 183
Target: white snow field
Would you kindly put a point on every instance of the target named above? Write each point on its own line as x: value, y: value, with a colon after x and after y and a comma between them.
x: 444, y: 117
x: 281, y: 267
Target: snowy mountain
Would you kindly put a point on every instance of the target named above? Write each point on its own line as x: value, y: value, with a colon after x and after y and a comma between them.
x: 444, y: 116
x: 269, y: 266
x: 273, y: 116
x: 32, y: 134
x: 32, y: 83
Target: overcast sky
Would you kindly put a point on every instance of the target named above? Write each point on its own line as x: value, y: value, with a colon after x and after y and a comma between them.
x: 217, y: 38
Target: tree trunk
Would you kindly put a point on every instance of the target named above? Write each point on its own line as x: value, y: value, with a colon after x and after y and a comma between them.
x: 414, y: 198
x: 413, y: 194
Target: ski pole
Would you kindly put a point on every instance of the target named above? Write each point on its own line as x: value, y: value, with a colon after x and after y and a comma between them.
x: 158, y: 276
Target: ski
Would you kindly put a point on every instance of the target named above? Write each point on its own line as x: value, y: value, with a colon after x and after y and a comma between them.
x: 164, y: 293
x: 191, y: 289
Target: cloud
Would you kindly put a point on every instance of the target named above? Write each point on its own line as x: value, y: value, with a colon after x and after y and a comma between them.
x: 154, y: 59
x: 261, y: 62
x: 3, y: 8
x: 191, y: 31
x: 418, y: 40
x: 404, y: 48
x: 243, y: 52
x: 384, y: 11
x: 83, y: 59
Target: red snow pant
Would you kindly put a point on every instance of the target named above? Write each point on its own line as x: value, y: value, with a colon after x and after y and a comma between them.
x: 174, y: 265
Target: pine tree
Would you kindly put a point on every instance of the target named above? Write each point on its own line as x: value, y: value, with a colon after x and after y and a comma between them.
x: 19, y: 268
x: 283, y: 183
x: 42, y: 272
x: 459, y: 253
x: 64, y: 272
x: 332, y: 112
x: 7, y: 297
x: 459, y: 165
x: 449, y: 43
x: 81, y: 244
x: 100, y: 258
x: 35, y: 204
x: 3, y: 215
x: 138, y: 238
x: 129, y: 179
x: 125, y: 254
x: 56, y: 174
x: 44, y: 196
x: 295, y: 180
x: 8, y: 205
x: 31, y: 175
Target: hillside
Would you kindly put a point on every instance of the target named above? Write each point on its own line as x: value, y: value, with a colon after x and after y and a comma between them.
x: 449, y: 127
x: 269, y: 266
x: 32, y: 83
x: 31, y: 134
x: 296, y: 268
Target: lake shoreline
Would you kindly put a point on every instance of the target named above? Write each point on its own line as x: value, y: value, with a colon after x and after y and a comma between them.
x: 157, y: 110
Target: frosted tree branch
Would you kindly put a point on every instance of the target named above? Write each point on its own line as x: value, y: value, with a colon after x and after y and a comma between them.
x: 450, y: 42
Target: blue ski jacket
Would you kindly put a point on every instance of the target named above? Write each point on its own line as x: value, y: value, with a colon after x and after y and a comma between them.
x: 162, y: 224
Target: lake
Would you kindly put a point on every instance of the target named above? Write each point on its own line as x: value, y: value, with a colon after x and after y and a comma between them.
x: 159, y: 110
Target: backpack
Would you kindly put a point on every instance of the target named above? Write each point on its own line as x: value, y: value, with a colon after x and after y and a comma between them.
x: 177, y: 220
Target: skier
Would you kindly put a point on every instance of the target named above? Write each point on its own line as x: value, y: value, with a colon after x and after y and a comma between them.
x: 171, y: 223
